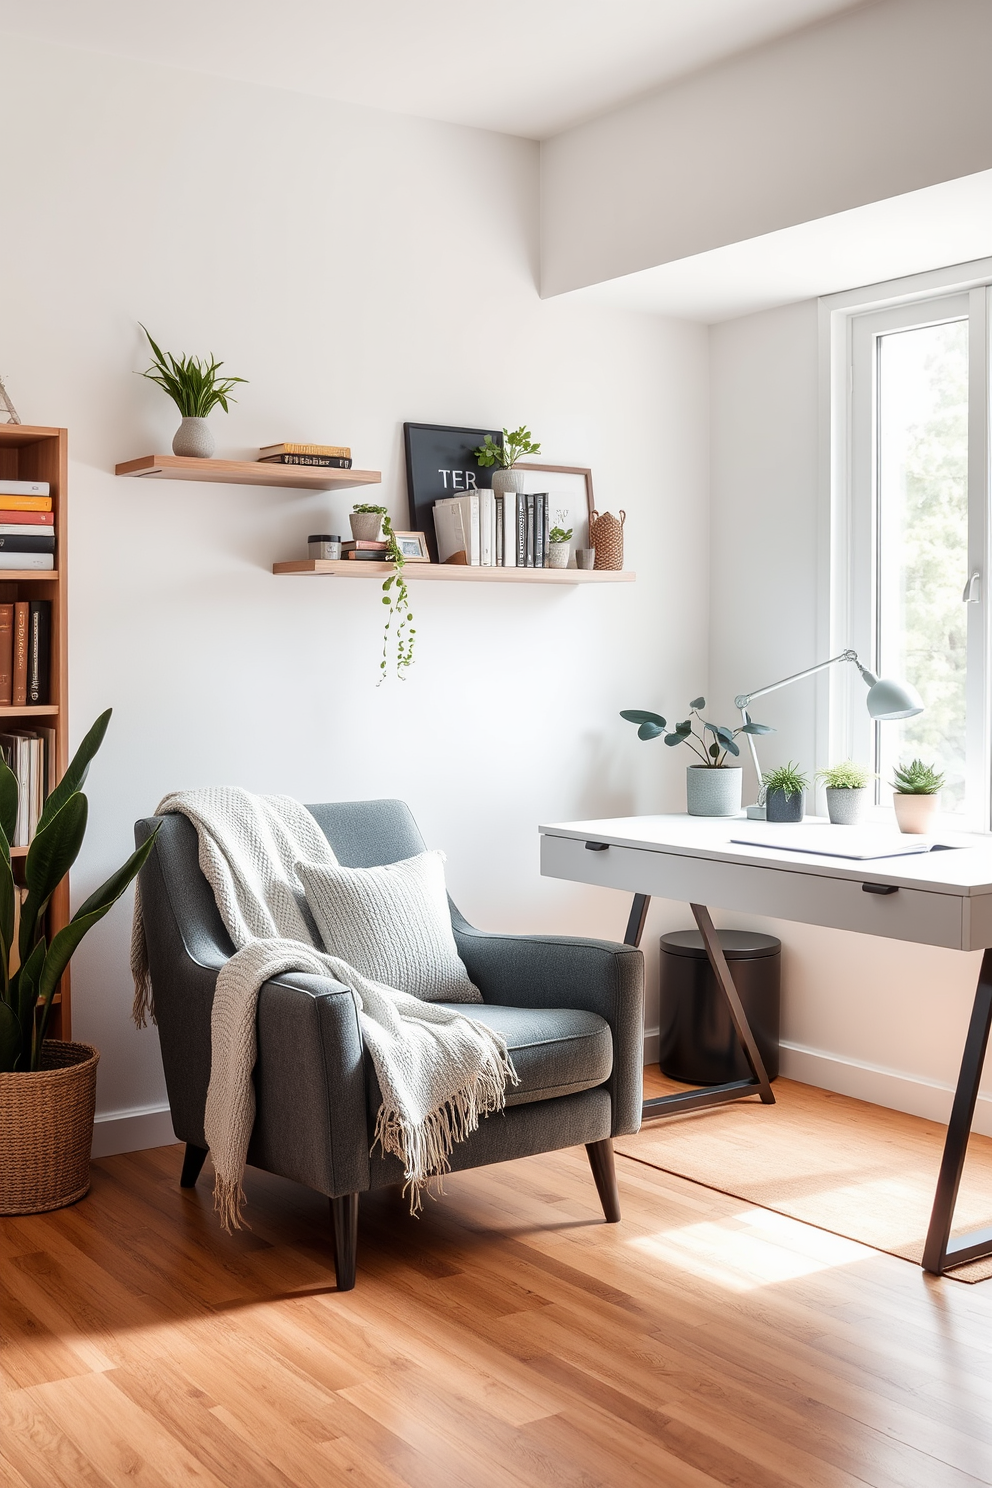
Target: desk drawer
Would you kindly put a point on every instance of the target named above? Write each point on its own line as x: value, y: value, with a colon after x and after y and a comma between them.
x: 782, y: 893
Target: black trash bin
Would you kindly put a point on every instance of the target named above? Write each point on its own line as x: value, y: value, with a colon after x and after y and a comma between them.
x: 697, y: 1043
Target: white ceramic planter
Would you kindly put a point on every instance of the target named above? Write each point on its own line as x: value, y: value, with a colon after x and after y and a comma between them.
x: 845, y: 807
x: 365, y: 526
x: 713, y: 792
x: 558, y: 554
x: 508, y: 480
x: 915, y: 813
x: 193, y: 439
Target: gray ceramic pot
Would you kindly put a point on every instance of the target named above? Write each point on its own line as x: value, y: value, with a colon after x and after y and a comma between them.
x: 509, y: 480
x: 782, y: 808
x: 713, y: 792
x: 558, y: 554
x: 193, y: 439
x: 365, y: 526
x: 845, y: 807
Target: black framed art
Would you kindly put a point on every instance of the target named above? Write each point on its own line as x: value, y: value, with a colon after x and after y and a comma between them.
x: 440, y: 462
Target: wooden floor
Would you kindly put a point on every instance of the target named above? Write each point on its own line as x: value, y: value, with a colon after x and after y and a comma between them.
x: 508, y: 1338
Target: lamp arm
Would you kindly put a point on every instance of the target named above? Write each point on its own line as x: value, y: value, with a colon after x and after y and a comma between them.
x: 746, y: 698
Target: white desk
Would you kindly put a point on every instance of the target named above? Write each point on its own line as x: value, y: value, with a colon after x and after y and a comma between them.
x: 939, y: 898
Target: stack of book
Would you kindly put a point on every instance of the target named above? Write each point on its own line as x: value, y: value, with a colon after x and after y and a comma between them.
x: 494, y: 530
x: 31, y: 756
x: 25, y: 652
x: 331, y: 456
x: 27, y: 525
x: 368, y: 552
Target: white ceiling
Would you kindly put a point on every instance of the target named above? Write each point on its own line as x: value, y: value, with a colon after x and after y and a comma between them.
x: 526, y: 67
x: 950, y: 223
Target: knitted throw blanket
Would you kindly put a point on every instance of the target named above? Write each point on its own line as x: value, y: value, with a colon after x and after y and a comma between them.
x: 439, y: 1072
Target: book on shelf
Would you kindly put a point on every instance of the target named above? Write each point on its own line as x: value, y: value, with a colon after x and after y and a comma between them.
x: 540, y: 512
x: 365, y: 555
x: 6, y: 655
x: 17, y: 501
x: 339, y: 451
x: 42, y: 562
x: 39, y: 651
x: 19, y: 685
x: 24, y: 488
x: 31, y: 756
x: 361, y: 544
x: 10, y: 516
x: 490, y: 529
x: 324, y: 462
x: 26, y: 540
x: 456, y: 521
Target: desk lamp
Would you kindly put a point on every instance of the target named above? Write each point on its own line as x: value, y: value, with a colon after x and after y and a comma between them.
x: 886, y: 700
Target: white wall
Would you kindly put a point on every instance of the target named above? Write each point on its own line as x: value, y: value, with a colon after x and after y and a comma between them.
x: 359, y: 269
x: 867, y: 105
x: 879, y: 1019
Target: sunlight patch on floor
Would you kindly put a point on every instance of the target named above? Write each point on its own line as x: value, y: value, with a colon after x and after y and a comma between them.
x: 750, y: 1248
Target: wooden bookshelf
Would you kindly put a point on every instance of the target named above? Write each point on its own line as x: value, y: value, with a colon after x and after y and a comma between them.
x: 28, y: 452
x: 246, y: 473
x: 455, y: 573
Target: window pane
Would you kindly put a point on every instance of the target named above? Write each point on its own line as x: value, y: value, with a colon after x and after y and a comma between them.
x: 923, y: 545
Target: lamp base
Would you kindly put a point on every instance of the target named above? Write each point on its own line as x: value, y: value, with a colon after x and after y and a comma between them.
x: 756, y: 813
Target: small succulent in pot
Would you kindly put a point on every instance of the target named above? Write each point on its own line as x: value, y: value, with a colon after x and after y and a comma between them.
x: 560, y: 539
x: 847, y: 791
x: 708, y: 793
x: 785, y: 793
x: 915, y: 790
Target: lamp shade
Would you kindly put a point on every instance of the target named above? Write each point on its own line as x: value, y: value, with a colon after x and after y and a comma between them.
x: 888, y: 700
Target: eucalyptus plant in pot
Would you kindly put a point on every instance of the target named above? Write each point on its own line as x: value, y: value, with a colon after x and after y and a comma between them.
x: 196, y: 389
x: 713, y: 788
x: 516, y: 444
x: 47, y: 1086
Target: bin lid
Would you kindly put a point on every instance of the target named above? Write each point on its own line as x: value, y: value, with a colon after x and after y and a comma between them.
x: 738, y: 945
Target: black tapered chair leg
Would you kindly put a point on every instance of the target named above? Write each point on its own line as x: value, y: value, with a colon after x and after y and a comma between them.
x: 605, y: 1173
x: 192, y: 1163
x: 344, y: 1220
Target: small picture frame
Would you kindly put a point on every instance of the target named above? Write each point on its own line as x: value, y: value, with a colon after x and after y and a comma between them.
x: 413, y: 546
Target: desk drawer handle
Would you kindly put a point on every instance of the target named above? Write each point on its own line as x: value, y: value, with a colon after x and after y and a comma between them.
x: 880, y: 888
x: 597, y: 846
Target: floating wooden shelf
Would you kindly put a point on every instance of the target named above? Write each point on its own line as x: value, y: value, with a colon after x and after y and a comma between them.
x: 246, y: 473
x: 36, y: 710
x: 456, y: 573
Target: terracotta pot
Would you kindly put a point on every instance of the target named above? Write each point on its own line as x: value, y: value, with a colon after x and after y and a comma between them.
x: 46, y: 1122
x: 915, y: 813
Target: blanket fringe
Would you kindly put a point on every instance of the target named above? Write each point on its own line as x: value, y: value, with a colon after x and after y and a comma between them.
x: 143, y: 1007
x: 229, y: 1202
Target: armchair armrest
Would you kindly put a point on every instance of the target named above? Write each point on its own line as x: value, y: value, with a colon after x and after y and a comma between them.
x: 596, y: 976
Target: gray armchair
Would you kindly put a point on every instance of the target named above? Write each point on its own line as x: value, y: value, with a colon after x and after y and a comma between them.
x: 569, y: 1009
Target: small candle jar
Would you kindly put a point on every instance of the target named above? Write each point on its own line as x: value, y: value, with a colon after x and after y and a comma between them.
x: 324, y: 545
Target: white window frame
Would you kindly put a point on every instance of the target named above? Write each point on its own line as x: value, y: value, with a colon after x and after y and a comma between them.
x: 849, y: 324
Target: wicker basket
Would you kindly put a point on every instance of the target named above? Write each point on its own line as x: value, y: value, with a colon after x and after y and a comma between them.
x: 46, y: 1130
x: 606, y: 536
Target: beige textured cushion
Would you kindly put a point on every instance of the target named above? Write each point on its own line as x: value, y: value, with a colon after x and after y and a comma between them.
x: 392, y: 924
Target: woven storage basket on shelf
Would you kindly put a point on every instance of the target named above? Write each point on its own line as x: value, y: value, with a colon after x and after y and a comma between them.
x: 606, y: 536
x: 46, y: 1130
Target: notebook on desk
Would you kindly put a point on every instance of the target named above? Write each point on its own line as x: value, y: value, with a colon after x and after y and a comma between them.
x: 831, y: 841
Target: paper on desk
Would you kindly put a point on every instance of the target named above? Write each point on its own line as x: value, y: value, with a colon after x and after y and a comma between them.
x: 832, y: 841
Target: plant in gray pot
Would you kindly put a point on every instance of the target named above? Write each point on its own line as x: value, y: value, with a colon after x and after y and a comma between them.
x: 847, y: 792
x: 785, y: 793
x: 516, y: 443
x: 196, y: 389
x: 713, y: 788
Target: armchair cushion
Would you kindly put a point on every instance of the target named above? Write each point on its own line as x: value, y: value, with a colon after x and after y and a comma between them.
x: 555, y: 1051
x: 392, y: 923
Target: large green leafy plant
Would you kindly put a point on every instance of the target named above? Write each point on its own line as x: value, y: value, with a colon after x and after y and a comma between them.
x: 26, y: 995
x: 192, y: 384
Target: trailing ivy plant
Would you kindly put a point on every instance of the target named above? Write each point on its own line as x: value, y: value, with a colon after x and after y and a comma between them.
x: 712, y: 751
x: 396, y: 596
x: 515, y: 445
x: 26, y: 994
x: 192, y: 384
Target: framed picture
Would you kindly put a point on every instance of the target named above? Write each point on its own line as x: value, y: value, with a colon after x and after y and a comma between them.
x: 413, y: 546
x: 440, y: 462
x: 570, y: 498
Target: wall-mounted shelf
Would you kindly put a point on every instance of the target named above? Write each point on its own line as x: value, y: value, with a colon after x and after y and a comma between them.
x: 36, y: 710
x: 456, y: 573
x: 246, y: 473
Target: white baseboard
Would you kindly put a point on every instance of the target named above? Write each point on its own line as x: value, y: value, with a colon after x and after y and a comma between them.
x: 132, y: 1131
x: 913, y: 1094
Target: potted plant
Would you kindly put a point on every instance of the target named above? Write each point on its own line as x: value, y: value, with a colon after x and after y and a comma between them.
x: 515, y: 445
x: 785, y: 793
x: 916, y: 788
x: 561, y: 542
x: 713, y: 788
x: 47, y: 1086
x: 196, y: 389
x: 394, y: 590
x: 847, y: 791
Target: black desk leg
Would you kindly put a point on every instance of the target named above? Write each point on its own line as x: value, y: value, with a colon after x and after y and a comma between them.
x: 940, y: 1251
x: 707, y: 1095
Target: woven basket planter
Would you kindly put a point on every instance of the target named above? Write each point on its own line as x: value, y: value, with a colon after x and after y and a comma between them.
x: 46, y: 1130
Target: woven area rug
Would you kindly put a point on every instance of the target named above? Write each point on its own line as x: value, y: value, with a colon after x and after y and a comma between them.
x: 858, y: 1170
